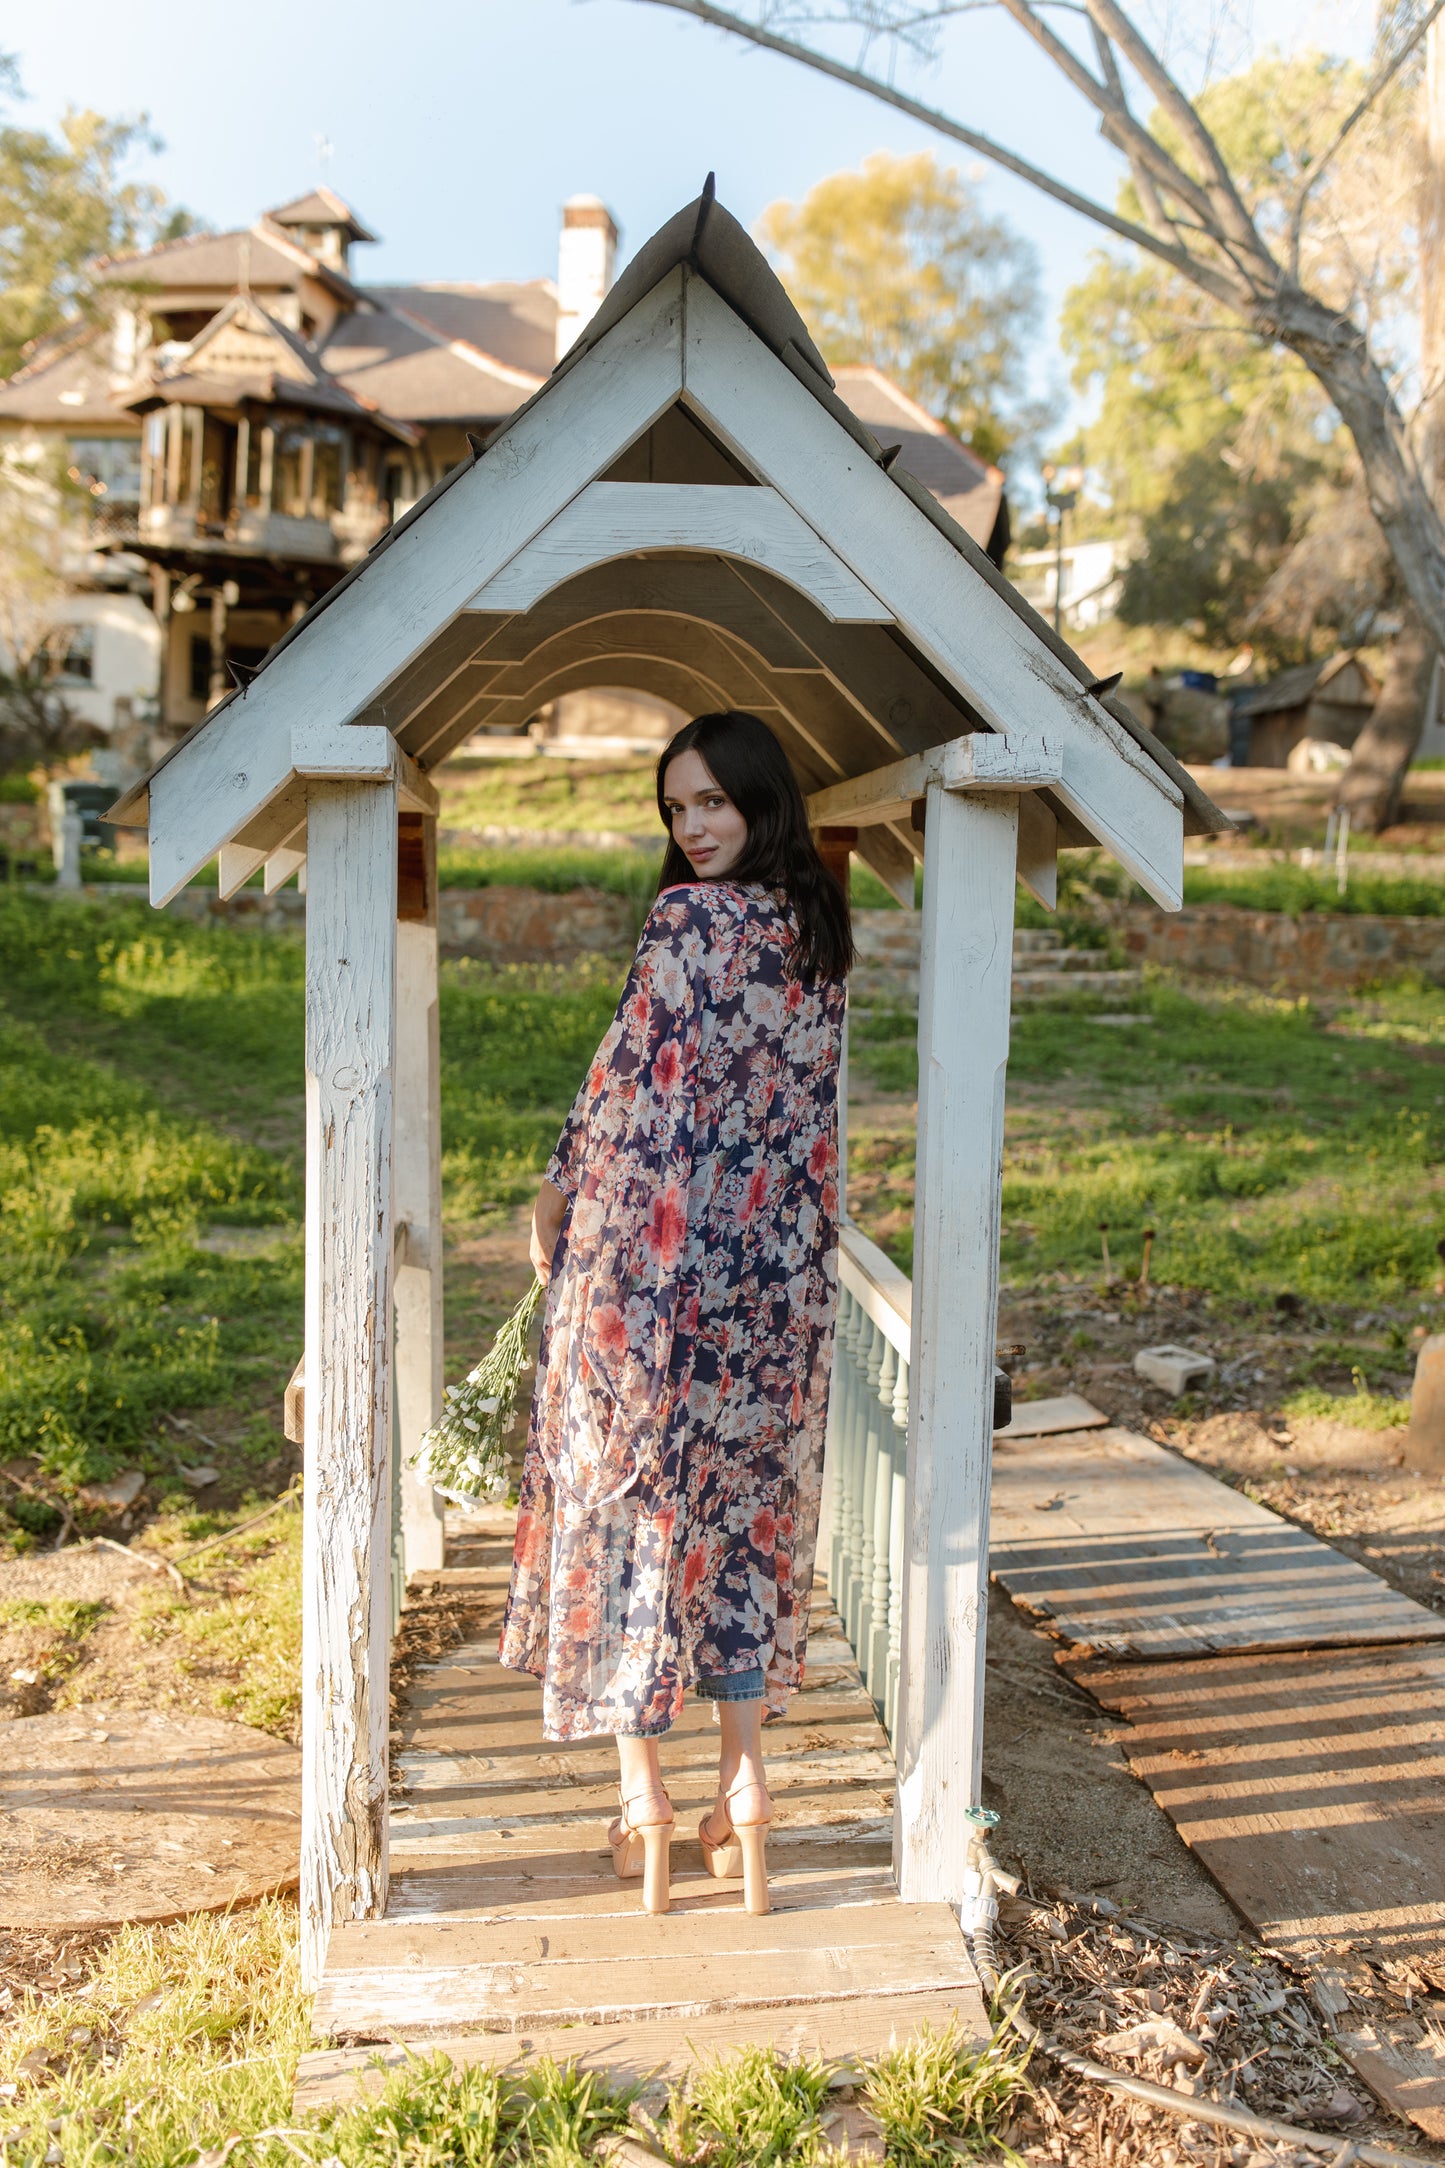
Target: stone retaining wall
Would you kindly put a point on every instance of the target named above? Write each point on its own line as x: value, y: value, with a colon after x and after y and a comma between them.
x: 1318, y: 952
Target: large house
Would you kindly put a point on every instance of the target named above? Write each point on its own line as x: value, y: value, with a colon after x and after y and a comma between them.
x: 247, y: 419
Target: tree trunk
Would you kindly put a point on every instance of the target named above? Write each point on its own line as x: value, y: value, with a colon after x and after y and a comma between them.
x: 1371, y: 785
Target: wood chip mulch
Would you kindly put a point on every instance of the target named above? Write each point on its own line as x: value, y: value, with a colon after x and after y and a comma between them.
x: 1226, y: 2020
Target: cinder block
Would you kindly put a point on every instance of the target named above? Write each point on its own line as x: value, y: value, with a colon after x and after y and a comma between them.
x: 1175, y: 1368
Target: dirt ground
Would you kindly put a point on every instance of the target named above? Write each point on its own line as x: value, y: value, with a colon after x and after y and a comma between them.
x: 1293, y: 809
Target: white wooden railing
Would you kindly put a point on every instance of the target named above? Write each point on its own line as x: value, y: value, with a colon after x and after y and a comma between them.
x: 861, y: 1534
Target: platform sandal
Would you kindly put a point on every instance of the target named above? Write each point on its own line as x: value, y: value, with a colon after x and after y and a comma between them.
x: 642, y: 1848
x: 743, y: 1851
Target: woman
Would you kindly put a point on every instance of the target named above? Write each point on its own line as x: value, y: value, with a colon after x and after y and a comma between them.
x: 688, y: 1228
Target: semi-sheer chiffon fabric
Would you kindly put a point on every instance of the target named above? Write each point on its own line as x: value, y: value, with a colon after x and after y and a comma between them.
x: 669, y: 1495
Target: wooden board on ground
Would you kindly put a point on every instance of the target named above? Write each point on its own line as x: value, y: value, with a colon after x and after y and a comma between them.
x: 505, y: 1918
x: 112, y: 1815
x: 1129, y: 1549
x: 1312, y: 1786
x: 1042, y: 1418
x: 653, y: 2055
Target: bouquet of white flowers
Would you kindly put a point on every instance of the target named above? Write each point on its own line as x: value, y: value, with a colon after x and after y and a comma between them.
x: 465, y: 1453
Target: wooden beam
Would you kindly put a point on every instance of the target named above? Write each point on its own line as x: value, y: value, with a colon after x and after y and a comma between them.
x: 350, y: 1062
x: 1039, y: 849
x: 361, y: 752
x: 947, y: 609
x: 282, y: 863
x: 417, y: 1191
x: 375, y: 624
x: 963, y: 1027
x: 617, y: 519
x: 984, y: 761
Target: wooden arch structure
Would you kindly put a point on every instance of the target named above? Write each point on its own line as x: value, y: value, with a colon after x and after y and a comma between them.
x: 686, y: 508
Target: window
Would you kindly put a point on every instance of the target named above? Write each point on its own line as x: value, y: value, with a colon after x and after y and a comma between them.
x: 70, y: 653
x: 288, y: 487
x: 108, y: 466
x: 256, y: 464
x: 183, y: 419
x: 326, y: 473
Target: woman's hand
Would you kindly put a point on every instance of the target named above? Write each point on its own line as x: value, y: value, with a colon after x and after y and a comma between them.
x: 548, y: 1214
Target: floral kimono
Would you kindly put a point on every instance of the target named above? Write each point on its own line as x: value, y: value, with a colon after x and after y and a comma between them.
x: 669, y: 1497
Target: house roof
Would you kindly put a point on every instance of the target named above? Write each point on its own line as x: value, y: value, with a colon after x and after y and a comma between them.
x: 966, y: 487
x: 1307, y: 681
x: 320, y: 207
x: 221, y: 262
x: 67, y: 381
x: 706, y: 242
x: 515, y: 322
x: 413, y: 369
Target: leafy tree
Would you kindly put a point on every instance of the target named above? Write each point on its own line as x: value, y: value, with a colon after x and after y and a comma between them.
x: 37, y: 722
x: 898, y: 266
x: 64, y: 202
x: 1218, y: 451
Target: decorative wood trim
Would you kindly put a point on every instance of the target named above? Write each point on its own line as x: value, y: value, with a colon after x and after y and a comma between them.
x: 1038, y: 850
x: 350, y: 1061
x: 617, y: 519
x: 751, y: 402
x: 982, y: 761
x: 963, y: 1032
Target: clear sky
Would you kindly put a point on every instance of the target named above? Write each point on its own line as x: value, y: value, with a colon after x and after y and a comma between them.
x: 458, y: 127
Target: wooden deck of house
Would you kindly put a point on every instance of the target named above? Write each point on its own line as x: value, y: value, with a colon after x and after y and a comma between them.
x: 507, y: 1931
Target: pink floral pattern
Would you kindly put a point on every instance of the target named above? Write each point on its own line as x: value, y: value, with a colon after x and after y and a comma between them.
x: 669, y: 1497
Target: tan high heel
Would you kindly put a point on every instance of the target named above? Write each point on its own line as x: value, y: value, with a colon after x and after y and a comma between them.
x: 644, y: 1848
x: 744, y: 1851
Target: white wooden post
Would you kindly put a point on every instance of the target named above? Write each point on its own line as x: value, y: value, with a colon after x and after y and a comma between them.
x: 417, y: 1188
x: 970, y: 853
x: 350, y: 1054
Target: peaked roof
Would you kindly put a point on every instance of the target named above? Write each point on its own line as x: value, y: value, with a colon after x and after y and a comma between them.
x: 1293, y: 688
x: 956, y: 630
x: 320, y: 207
x: 965, y: 485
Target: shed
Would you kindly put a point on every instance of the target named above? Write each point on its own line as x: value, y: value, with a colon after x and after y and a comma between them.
x: 687, y: 507
x: 1328, y: 700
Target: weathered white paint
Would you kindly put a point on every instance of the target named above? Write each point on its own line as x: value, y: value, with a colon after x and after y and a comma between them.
x: 350, y: 1056
x: 963, y: 1026
x: 769, y: 420
x: 981, y: 761
x: 881, y: 1289
x: 372, y: 628
x: 1038, y: 850
x: 617, y: 519
x: 283, y: 863
x: 364, y: 752
x: 417, y: 1192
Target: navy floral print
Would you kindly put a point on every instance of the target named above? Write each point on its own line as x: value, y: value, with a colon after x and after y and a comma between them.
x: 669, y: 1495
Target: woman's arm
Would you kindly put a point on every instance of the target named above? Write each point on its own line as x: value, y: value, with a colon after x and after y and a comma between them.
x: 547, y: 1216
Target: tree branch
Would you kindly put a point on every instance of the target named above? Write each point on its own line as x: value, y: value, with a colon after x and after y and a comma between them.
x: 1380, y: 81
x: 1204, y: 274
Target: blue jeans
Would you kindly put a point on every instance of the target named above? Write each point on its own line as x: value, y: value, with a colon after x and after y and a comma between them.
x: 731, y: 1685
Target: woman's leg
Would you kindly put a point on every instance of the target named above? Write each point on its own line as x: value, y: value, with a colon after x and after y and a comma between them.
x: 643, y: 1795
x: 742, y: 1791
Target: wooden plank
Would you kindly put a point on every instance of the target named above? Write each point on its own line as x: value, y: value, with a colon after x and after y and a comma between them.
x: 1119, y: 1544
x: 619, y: 1939
x: 963, y: 1023
x: 1312, y: 1786
x: 350, y: 1054
x: 608, y: 520
x: 1039, y: 850
x: 951, y: 613
x: 660, y: 2052
x: 1042, y: 1418
x: 417, y: 1201
x: 982, y: 761
x: 638, y: 1983
x: 540, y: 1888
x: 378, y: 623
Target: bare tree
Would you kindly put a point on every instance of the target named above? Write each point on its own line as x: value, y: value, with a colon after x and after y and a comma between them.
x: 1193, y: 212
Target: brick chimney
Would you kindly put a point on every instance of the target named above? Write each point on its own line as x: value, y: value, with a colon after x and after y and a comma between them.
x: 584, y: 265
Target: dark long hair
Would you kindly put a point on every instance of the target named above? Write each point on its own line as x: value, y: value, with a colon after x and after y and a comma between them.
x: 744, y: 759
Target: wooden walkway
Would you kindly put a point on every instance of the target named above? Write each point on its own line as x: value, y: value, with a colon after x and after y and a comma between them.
x: 507, y: 1930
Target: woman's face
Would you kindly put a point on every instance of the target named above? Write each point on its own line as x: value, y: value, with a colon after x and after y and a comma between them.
x: 706, y: 826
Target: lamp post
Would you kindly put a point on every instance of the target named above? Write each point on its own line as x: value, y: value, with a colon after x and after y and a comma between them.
x: 1061, y: 493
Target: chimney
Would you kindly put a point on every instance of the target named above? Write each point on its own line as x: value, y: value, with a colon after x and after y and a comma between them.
x: 584, y: 265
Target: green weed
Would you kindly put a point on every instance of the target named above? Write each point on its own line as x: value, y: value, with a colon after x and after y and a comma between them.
x: 936, y: 2098
x: 755, y: 2109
